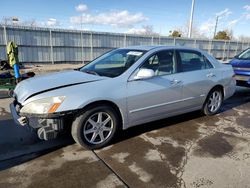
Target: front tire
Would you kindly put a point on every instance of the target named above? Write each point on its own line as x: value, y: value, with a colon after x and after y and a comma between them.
x: 95, y: 127
x: 213, y: 102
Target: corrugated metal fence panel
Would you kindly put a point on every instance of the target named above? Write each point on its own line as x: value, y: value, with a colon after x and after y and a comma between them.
x: 34, y: 54
x: 239, y: 47
x: 2, y: 41
x: 146, y: 41
x: 16, y: 36
x: 86, y: 37
x: 27, y: 54
x: 2, y: 52
x: 66, y: 39
x: 185, y: 42
x: 44, y: 54
x: 167, y: 41
x: 42, y: 38
x: 86, y: 53
x: 99, y: 51
x: 232, y: 49
x: 67, y: 54
x: 203, y: 44
x: 28, y: 37
x: 245, y: 46
x: 2, y: 44
x: 99, y: 40
x: 157, y: 40
x: 108, y: 40
x: 78, y: 46
x: 218, y: 45
x: 217, y: 48
x: 138, y: 40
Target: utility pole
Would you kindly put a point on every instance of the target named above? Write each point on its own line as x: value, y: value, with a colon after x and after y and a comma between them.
x: 191, y: 20
x: 216, y: 23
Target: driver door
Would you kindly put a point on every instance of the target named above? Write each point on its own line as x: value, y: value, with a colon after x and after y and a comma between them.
x: 156, y: 97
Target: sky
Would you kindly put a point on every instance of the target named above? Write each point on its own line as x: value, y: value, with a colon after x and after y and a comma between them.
x: 131, y: 16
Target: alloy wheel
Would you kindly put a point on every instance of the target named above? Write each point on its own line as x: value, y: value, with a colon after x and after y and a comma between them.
x: 98, y: 128
x: 214, y: 101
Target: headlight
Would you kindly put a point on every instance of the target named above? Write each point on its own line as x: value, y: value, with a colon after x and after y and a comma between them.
x: 43, y: 106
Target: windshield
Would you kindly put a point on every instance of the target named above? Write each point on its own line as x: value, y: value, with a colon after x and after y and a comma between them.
x: 244, y: 55
x: 113, y: 63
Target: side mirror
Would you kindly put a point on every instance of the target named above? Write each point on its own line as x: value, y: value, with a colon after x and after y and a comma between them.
x: 144, y: 74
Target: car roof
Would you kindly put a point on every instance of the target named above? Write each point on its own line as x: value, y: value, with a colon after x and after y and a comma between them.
x: 159, y: 47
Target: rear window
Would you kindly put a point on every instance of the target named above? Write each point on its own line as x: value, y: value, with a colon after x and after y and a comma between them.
x: 192, y: 60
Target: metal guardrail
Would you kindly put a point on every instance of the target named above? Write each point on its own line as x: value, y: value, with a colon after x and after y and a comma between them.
x: 46, y: 45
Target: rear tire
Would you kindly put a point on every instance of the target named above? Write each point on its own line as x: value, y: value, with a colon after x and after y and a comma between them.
x: 95, y: 127
x: 213, y: 102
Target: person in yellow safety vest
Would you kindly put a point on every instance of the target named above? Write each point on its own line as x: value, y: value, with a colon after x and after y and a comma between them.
x: 12, y: 52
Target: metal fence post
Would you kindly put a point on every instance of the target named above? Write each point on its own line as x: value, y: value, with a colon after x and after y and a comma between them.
x: 91, y: 46
x: 228, y: 49
x: 152, y: 40
x: 236, y: 51
x: 194, y: 45
x: 159, y: 40
x: 174, y: 41
x: 51, y: 47
x: 5, y: 39
x: 224, y: 50
x: 82, y: 48
x: 210, y: 43
x: 125, y: 40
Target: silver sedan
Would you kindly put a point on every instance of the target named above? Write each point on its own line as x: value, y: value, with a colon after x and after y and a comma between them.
x: 120, y: 89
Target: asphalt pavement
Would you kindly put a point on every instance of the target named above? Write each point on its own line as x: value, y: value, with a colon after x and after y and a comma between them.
x: 190, y: 150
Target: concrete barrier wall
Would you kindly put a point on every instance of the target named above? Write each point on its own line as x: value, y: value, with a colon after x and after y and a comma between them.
x: 44, y: 45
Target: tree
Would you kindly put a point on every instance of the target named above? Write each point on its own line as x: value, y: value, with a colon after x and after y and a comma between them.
x: 6, y: 21
x: 16, y: 21
x: 244, y: 38
x: 149, y: 30
x: 175, y: 33
x: 196, y: 32
x: 223, y: 35
x: 30, y: 23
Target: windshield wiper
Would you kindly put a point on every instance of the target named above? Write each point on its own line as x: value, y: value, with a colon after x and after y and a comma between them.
x: 91, y: 72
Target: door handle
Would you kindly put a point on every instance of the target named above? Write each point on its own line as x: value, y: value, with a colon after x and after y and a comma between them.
x: 175, y: 82
x: 211, y: 75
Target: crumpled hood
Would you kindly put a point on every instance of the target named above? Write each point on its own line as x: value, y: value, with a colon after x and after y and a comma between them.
x: 40, y: 84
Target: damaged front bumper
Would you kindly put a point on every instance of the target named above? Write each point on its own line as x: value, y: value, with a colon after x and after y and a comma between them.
x: 47, y: 126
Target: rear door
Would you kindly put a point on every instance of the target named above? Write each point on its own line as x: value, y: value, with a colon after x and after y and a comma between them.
x: 197, y: 73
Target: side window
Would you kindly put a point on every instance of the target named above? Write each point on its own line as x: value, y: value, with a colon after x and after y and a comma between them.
x: 153, y: 60
x: 208, y: 65
x: 191, y: 61
x: 162, y: 63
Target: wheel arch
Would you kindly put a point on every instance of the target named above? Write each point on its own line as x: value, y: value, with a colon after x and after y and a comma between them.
x: 205, y: 104
x: 218, y: 86
x: 108, y: 103
x: 221, y: 87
